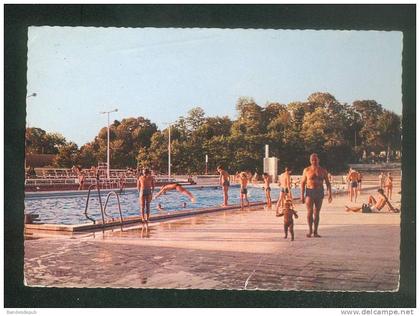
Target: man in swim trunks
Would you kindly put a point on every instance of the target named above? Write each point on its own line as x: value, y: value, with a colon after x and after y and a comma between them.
x: 267, y: 189
x: 175, y: 186
x: 243, y: 179
x: 359, y: 181
x: 375, y: 205
x: 145, y: 185
x: 312, y: 192
x: 224, y: 182
x: 352, y: 177
x: 285, y: 188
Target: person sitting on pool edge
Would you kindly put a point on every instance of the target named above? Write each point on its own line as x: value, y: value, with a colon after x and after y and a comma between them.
x: 145, y: 185
x: 374, y: 206
x: 175, y: 186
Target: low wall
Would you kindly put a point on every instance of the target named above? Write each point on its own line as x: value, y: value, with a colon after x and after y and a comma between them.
x: 377, y: 167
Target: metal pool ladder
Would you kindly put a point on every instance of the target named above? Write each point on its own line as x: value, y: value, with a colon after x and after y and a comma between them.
x: 103, y: 209
x: 119, y: 205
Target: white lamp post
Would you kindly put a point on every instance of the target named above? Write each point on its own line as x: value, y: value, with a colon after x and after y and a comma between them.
x: 28, y: 96
x: 169, y: 152
x: 169, y: 148
x: 27, y: 123
x: 107, y: 146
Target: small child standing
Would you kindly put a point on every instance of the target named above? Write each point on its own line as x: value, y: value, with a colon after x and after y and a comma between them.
x: 288, y: 213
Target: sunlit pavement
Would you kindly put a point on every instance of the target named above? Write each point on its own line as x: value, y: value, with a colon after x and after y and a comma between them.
x: 228, y: 250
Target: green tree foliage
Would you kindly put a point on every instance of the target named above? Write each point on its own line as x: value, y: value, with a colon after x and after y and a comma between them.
x: 370, y: 111
x: 338, y: 132
x: 126, y: 139
x: 321, y: 99
x: 249, y: 118
x: 389, y: 126
x: 67, y: 155
x: 155, y: 156
x: 87, y: 156
x: 38, y: 141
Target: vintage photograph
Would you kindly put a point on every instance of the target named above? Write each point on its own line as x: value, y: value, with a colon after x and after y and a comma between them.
x: 210, y: 158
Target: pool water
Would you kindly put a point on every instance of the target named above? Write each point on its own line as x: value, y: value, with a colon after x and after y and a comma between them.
x: 69, y: 209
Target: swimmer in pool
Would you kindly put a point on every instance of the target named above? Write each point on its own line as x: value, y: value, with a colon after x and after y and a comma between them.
x: 161, y: 208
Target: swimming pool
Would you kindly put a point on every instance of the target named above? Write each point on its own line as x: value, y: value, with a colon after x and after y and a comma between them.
x: 68, y: 207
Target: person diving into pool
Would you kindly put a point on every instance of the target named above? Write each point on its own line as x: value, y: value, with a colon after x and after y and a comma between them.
x: 177, y: 187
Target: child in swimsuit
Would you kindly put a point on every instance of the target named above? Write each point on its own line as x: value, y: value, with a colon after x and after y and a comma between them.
x: 288, y: 213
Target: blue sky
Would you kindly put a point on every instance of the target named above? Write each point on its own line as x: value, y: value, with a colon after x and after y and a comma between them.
x: 162, y: 73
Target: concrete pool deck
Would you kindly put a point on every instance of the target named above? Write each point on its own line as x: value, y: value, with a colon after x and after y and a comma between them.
x: 231, y: 249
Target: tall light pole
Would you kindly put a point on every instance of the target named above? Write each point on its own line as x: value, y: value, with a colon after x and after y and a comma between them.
x: 27, y: 97
x: 27, y: 124
x: 169, y: 148
x: 169, y: 152
x: 107, y: 144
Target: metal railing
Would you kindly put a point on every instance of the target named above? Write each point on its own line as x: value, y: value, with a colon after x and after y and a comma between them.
x: 119, y: 206
x: 100, y: 203
x: 103, y: 208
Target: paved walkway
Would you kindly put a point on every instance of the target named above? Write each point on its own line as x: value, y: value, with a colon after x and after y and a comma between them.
x: 228, y: 250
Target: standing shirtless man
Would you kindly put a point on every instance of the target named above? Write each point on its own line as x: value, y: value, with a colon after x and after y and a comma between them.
x: 145, y: 185
x: 312, y: 192
x: 285, y: 188
x: 224, y: 182
x: 353, y: 177
x: 388, y: 185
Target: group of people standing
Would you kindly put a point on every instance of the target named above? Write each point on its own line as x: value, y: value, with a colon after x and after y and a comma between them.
x: 354, y: 181
x: 312, y: 194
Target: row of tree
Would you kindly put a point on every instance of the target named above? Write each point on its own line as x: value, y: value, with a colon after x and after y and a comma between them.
x: 339, y: 133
